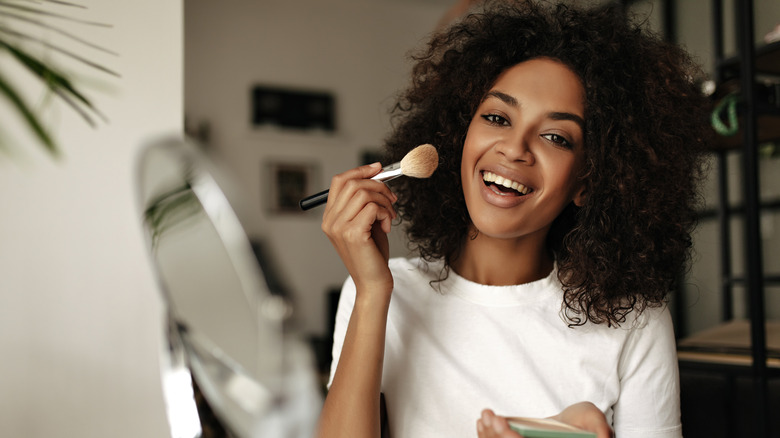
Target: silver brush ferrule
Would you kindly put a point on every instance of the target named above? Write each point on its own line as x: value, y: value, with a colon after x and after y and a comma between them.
x: 389, y: 172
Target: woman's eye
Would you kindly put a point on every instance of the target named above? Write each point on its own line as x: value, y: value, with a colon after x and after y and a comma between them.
x: 495, y: 119
x: 558, y: 139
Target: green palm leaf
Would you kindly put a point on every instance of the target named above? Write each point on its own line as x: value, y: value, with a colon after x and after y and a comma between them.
x: 53, y: 79
x: 171, y: 209
x: 28, y: 115
x: 18, y: 7
x: 57, y: 82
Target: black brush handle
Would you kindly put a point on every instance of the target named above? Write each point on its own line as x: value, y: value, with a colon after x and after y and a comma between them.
x: 388, y: 173
x: 314, y: 200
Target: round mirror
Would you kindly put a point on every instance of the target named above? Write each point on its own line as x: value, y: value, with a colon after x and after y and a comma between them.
x: 230, y: 368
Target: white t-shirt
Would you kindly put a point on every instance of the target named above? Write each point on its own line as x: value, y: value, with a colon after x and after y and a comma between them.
x: 452, y: 352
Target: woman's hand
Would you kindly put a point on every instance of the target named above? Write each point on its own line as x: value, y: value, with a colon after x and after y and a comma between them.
x: 357, y: 218
x: 491, y: 425
x: 584, y: 415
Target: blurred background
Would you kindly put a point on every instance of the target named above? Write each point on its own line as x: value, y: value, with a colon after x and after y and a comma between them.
x: 284, y: 95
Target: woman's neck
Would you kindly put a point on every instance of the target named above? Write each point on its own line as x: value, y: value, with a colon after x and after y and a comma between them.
x: 503, y: 262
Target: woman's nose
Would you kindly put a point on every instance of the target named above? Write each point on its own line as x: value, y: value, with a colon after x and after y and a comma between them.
x: 516, y: 149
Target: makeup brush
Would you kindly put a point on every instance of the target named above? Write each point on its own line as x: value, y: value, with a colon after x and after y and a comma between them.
x: 420, y: 162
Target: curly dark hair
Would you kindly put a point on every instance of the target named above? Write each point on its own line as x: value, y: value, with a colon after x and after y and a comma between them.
x: 645, y: 132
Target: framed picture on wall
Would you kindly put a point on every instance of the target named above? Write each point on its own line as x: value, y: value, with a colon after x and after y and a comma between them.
x: 288, y: 182
x: 371, y: 155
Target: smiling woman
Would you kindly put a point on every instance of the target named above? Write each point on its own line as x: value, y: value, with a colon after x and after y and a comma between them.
x: 525, y: 132
x: 631, y: 131
x: 547, y: 243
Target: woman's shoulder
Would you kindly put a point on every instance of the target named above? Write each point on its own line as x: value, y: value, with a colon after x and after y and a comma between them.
x: 648, y: 321
x: 653, y: 318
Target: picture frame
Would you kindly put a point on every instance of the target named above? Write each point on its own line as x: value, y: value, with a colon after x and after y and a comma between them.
x: 287, y: 183
x: 371, y: 155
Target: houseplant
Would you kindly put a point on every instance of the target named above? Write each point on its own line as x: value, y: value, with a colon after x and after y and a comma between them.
x: 31, y: 35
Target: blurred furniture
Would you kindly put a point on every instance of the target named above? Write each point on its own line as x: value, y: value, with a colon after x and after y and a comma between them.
x: 229, y: 367
x: 741, y: 357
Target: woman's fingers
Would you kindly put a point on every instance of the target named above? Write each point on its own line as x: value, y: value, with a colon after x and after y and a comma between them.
x: 359, y: 228
x: 351, y: 192
x: 357, y: 194
x: 491, y: 425
x: 352, y: 180
x: 357, y: 218
x: 362, y: 172
x: 354, y: 214
x: 586, y: 415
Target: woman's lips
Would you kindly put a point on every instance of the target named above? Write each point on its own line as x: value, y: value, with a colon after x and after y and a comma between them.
x: 514, y: 188
x: 503, y: 192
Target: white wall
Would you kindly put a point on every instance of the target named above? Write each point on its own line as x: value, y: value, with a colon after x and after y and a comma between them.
x: 353, y: 48
x: 79, y: 311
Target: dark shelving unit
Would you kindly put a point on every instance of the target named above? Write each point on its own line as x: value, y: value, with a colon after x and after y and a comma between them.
x: 743, y: 349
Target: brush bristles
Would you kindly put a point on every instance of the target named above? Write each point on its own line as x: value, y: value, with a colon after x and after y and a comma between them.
x: 420, y: 162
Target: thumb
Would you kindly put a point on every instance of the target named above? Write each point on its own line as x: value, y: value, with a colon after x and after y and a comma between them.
x: 369, y: 170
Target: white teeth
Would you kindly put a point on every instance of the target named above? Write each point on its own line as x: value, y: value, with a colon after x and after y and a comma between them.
x: 508, y: 183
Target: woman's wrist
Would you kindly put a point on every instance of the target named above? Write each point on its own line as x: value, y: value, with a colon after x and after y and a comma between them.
x: 372, y: 300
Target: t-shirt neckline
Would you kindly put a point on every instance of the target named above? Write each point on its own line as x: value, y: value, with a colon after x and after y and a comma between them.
x: 503, y: 296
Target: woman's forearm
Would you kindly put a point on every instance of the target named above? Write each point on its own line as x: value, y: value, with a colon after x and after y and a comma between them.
x: 352, y: 405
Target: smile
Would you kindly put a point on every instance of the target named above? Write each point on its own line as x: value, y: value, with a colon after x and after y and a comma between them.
x: 504, y: 186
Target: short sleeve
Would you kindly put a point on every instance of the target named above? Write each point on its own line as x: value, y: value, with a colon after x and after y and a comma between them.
x: 649, y: 401
x: 343, y: 313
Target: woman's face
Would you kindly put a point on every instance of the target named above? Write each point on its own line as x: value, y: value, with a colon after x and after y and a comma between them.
x: 523, y: 150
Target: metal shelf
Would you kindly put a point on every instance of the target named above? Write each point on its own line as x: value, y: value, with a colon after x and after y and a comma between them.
x: 752, y: 355
x: 767, y: 61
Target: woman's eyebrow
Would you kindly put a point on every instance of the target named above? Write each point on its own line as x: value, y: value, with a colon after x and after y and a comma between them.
x: 507, y: 99
x: 554, y: 115
x: 567, y: 116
